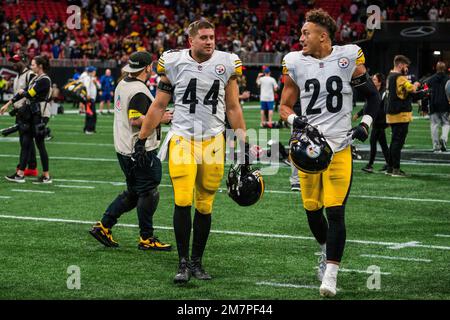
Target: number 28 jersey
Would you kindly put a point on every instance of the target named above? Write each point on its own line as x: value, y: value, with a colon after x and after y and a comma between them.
x: 326, y: 96
x: 199, y: 90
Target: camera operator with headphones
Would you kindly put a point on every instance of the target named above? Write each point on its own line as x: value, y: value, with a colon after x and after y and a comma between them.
x: 34, y: 115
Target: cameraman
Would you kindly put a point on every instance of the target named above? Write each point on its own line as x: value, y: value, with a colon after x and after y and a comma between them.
x: 23, y: 79
x: 34, y: 118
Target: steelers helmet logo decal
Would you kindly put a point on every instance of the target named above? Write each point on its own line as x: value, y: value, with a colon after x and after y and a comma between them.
x: 220, y: 69
x: 313, y: 151
x: 343, y: 63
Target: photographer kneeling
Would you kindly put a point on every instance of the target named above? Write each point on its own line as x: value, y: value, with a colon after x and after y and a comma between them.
x: 33, y: 122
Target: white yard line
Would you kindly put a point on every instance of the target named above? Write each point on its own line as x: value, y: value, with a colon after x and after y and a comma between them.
x: 5, y: 197
x: 32, y: 191
x: 442, y: 235
x: 239, y: 233
x: 75, y: 187
x: 286, y: 285
x: 270, y: 191
x: 394, y: 258
x: 362, y: 271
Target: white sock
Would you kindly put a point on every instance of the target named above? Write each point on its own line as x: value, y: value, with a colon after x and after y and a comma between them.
x: 323, y: 247
x: 332, y: 269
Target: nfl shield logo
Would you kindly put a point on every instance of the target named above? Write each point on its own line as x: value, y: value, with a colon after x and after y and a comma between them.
x: 320, y: 64
x: 200, y: 68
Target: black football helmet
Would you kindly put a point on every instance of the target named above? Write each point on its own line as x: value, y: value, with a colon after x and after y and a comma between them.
x: 309, y: 151
x: 245, y: 185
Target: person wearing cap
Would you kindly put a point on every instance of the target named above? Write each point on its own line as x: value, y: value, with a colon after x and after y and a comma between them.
x: 268, y: 86
x: 21, y: 82
x: 132, y: 98
x: 88, y: 79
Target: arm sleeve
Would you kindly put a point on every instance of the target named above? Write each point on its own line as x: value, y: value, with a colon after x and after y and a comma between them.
x: 41, y: 87
x: 364, y: 85
x: 403, y: 82
x: 237, y: 63
x: 361, y: 112
x: 138, y: 106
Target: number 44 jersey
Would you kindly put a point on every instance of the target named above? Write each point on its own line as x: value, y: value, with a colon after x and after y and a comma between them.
x: 199, y: 90
x: 326, y: 95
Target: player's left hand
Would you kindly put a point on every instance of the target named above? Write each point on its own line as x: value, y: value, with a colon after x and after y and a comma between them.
x: 360, y: 132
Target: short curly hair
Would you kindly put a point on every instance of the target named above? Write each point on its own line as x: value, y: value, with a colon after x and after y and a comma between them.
x: 323, y: 19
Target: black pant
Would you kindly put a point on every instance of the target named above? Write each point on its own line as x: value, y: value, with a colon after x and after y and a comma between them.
x: 32, y: 162
x: 399, y: 133
x: 27, y: 144
x: 141, y: 193
x: 378, y: 135
x: 91, y: 116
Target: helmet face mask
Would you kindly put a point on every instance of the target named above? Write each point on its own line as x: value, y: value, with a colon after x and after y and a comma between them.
x: 309, y: 151
x: 245, y: 185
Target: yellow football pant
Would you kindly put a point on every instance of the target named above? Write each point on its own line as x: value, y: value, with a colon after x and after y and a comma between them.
x: 196, y: 166
x: 329, y: 188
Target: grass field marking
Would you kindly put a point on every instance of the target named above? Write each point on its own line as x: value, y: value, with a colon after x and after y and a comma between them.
x: 16, y: 139
x: 442, y: 235
x: 240, y: 233
x: 409, y: 244
x: 286, y: 285
x: 75, y: 187
x: 114, y: 183
x: 394, y: 258
x: 445, y: 164
x: 32, y: 191
x: 358, y: 271
x: 399, y: 198
x: 268, y: 191
x: 5, y: 197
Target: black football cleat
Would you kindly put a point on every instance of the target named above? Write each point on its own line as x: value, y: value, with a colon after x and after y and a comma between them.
x: 184, y: 273
x: 103, y: 235
x: 197, y: 271
x: 153, y: 243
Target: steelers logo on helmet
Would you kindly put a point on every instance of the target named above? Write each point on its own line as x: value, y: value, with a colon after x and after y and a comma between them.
x: 309, y: 150
x: 245, y: 185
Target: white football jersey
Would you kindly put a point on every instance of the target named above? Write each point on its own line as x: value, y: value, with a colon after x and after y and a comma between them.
x: 326, y: 95
x: 199, y: 91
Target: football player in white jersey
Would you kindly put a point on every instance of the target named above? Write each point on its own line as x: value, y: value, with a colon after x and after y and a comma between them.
x: 202, y: 81
x: 322, y: 76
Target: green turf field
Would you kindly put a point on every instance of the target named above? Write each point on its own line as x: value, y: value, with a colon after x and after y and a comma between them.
x: 401, y: 225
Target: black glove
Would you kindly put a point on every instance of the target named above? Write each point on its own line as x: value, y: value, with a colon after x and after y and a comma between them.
x: 139, y: 155
x: 300, y: 122
x: 360, y: 132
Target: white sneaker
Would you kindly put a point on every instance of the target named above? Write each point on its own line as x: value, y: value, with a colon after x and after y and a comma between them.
x: 322, y: 260
x: 328, y: 286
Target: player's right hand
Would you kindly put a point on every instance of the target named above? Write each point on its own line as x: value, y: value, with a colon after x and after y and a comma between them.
x: 300, y: 122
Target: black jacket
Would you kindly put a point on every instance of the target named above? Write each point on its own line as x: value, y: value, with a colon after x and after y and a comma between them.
x: 438, y: 99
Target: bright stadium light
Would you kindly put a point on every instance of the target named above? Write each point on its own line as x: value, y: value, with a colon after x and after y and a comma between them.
x: 437, y: 53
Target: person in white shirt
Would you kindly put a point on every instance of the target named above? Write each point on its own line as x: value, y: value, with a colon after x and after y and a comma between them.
x: 89, y: 81
x: 268, y: 86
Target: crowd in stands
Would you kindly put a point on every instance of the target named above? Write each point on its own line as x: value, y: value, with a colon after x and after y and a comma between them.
x: 114, y: 29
